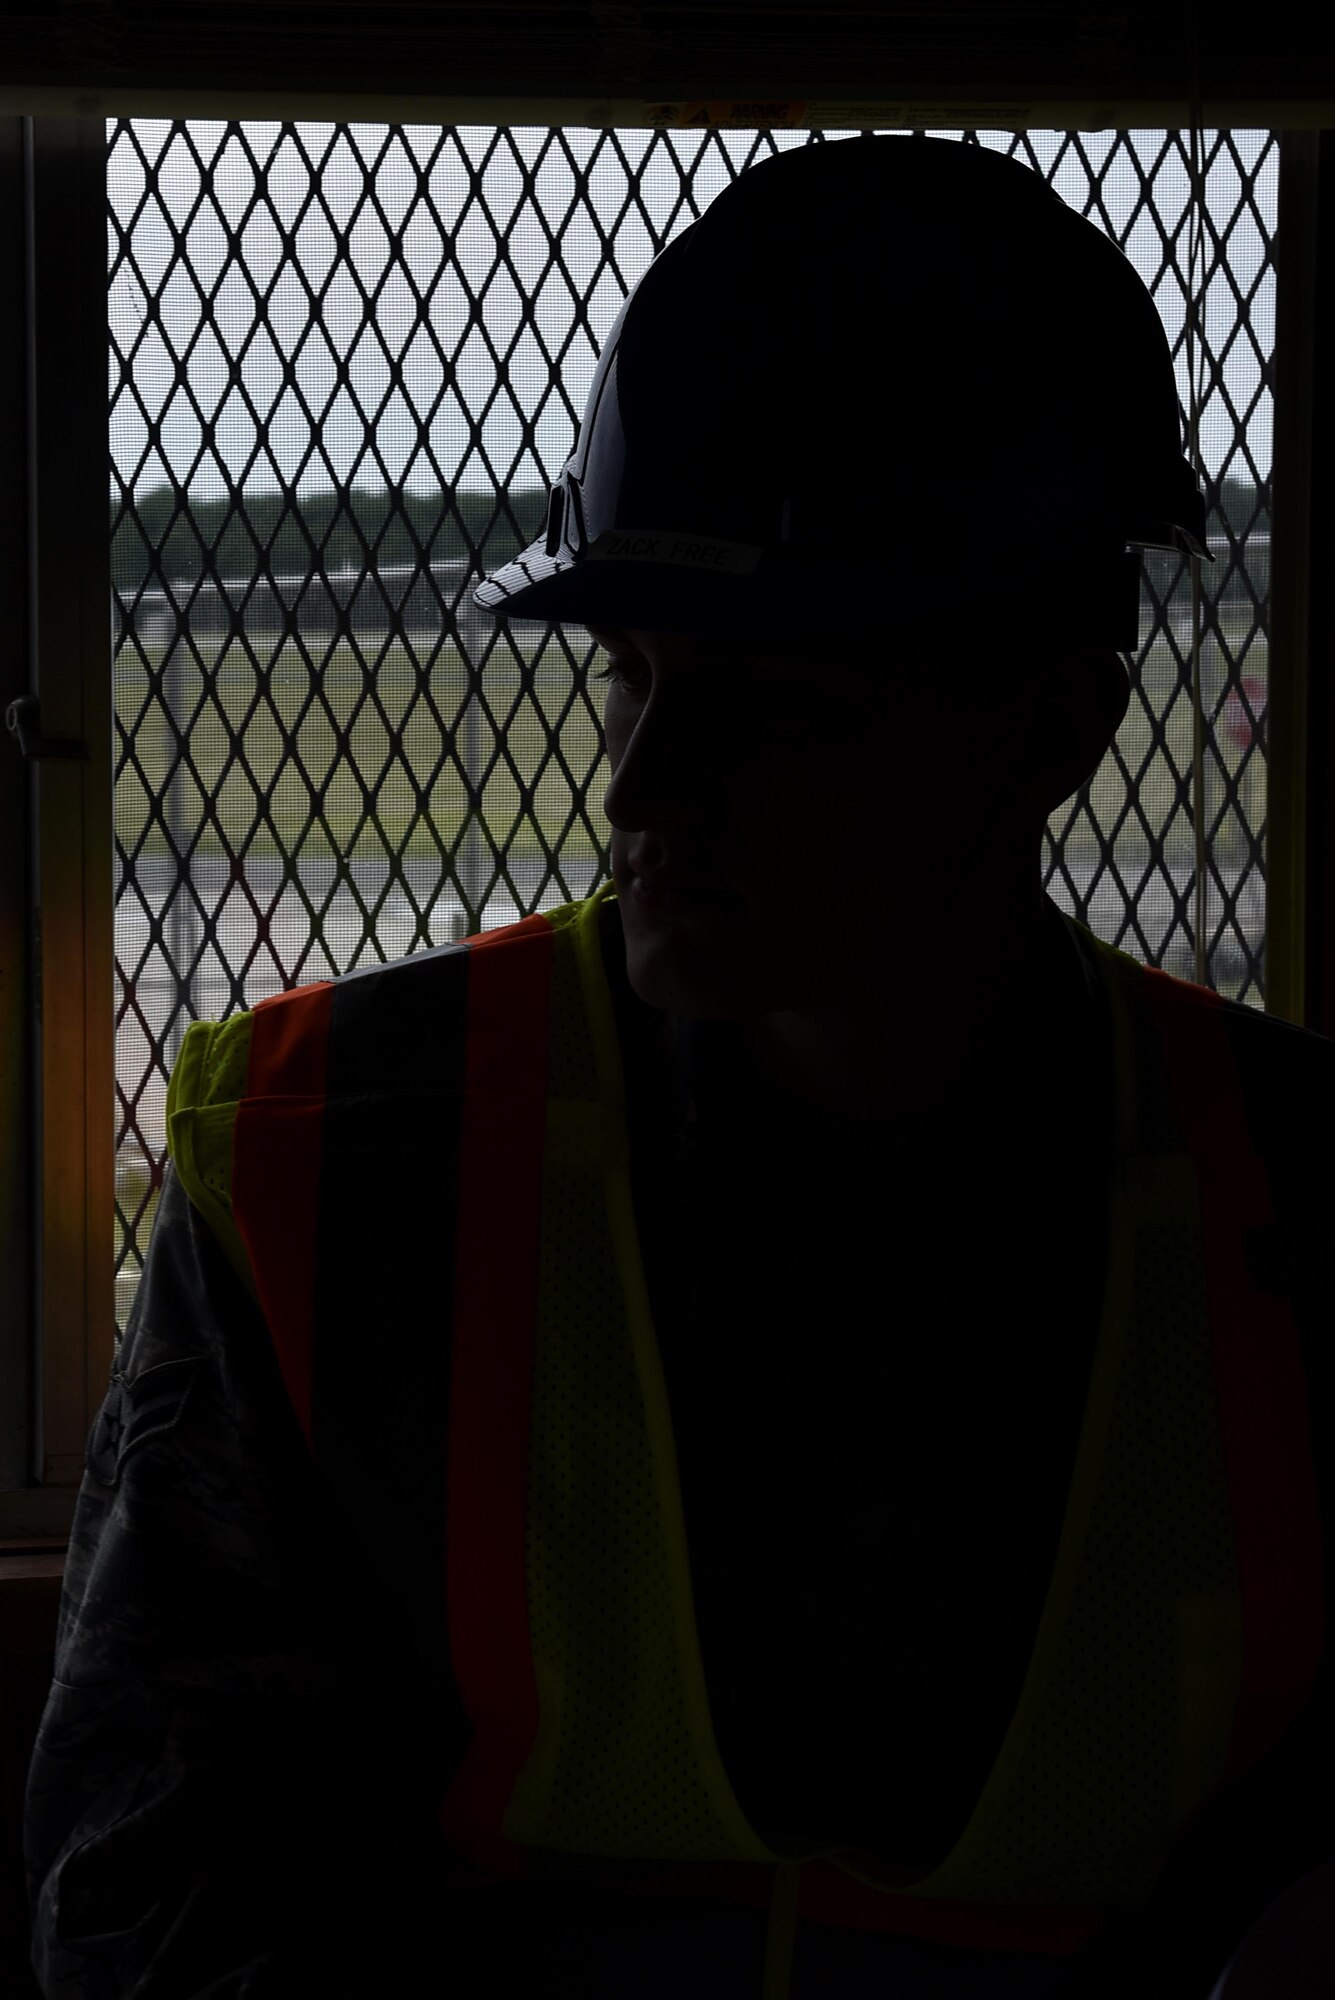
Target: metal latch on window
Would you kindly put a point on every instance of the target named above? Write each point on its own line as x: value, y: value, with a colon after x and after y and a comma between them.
x: 24, y: 721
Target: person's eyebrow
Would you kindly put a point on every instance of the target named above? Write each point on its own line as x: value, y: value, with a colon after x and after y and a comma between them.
x: 719, y: 653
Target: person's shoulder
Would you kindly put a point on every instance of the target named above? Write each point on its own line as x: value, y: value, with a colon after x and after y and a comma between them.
x: 1286, y: 1073
x: 1287, y: 1070
x: 419, y: 995
x: 214, y: 1067
x: 1266, y: 1037
x: 1285, y: 1076
x: 210, y: 1066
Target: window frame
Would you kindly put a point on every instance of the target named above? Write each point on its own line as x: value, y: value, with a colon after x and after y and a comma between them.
x: 57, y: 1044
x: 59, y: 1139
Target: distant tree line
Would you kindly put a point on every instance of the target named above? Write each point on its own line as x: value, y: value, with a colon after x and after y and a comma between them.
x: 171, y: 534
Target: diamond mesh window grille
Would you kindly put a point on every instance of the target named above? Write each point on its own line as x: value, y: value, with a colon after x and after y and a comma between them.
x: 345, y: 363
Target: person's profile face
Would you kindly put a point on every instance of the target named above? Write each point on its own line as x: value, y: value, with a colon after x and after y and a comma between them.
x: 795, y: 783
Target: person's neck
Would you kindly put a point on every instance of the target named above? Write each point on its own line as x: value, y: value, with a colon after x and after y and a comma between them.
x: 917, y: 1055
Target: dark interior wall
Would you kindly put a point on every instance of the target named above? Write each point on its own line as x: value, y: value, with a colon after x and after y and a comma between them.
x: 29, y: 1602
x: 760, y: 53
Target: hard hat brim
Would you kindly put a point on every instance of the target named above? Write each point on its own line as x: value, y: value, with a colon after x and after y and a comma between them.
x: 658, y: 577
x: 785, y: 594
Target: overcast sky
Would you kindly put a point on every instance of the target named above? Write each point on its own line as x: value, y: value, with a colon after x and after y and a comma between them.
x: 446, y: 250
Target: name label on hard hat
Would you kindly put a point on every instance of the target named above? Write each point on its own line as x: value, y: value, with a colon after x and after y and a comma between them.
x: 665, y: 545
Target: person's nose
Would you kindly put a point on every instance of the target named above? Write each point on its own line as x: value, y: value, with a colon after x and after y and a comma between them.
x: 669, y: 769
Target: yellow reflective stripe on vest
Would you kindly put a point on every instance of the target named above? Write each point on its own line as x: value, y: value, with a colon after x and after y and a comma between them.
x: 624, y: 1708
x: 1123, y: 1722
x: 207, y: 1083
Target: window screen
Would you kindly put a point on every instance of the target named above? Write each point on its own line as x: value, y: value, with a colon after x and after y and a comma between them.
x: 345, y: 363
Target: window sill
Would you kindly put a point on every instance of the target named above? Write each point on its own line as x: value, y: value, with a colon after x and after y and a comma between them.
x: 31, y: 1559
x: 31, y: 1576
x: 37, y: 1517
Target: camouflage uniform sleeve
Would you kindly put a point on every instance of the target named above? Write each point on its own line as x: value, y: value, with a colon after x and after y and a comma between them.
x: 207, y: 1809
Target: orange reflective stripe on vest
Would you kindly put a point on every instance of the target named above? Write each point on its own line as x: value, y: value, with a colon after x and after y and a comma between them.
x: 279, y: 1155
x: 277, y: 1150
x: 500, y: 1188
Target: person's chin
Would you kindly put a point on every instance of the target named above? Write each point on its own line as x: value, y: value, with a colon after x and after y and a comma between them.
x: 680, y: 976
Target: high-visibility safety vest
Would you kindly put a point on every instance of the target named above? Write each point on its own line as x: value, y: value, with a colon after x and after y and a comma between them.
x: 464, y: 1109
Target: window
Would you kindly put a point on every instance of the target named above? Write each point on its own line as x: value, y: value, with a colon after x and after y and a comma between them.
x: 347, y: 362
x: 344, y: 362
